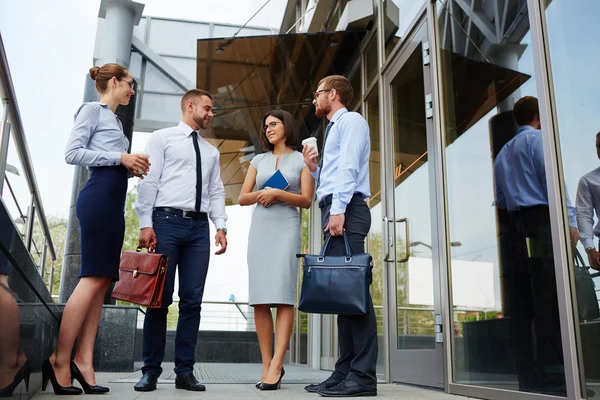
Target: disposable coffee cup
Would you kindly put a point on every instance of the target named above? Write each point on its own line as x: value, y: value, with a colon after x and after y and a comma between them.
x: 142, y: 153
x: 311, y: 142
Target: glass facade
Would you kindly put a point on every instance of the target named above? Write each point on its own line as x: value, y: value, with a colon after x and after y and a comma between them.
x: 486, y: 279
x: 573, y: 54
x: 503, y: 289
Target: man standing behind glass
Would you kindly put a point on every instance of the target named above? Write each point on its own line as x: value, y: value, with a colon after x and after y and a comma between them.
x: 174, y: 201
x: 342, y: 187
x: 588, y: 200
x: 521, y: 189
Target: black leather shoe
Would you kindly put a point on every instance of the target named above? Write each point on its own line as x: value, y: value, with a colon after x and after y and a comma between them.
x: 23, y: 374
x: 48, y: 375
x: 348, y: 389
x: 146, y: 384
x: 273, y: 386
x: 326, y: 384
x: 189, y: 382
x: 87, y: 388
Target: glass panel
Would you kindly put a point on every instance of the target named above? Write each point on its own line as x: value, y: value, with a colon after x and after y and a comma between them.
x: 408, y: 11
x: 135, y: 65
x: 414, y: 270
x: 185, y: 66
x: 505, y: 305
x: 140, y: 30
x: 159, y: 82
x: 575, y: 58
x: 176, y: 38
x: 371, y: 65
x: 356, y: 87
x: 161, y: 107
x: 374, y: 240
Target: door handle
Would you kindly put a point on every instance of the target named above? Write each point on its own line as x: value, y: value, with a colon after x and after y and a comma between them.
x: 389, y: 243
x: 407, y: 244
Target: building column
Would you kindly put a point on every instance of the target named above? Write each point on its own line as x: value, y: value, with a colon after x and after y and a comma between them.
x: 113, y: 45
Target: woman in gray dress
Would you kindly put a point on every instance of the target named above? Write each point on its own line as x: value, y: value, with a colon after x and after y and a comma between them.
x: 274, y: 238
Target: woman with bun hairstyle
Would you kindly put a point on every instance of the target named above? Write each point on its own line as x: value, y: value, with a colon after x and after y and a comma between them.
x: 97, y: 142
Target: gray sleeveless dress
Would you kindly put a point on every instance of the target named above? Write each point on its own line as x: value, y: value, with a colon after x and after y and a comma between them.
x: 274, y: 238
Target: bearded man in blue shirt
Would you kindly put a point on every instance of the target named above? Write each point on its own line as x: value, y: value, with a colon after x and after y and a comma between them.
x: 342, y: 187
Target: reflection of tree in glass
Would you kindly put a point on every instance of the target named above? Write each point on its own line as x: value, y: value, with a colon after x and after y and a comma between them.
x: 410, y: 322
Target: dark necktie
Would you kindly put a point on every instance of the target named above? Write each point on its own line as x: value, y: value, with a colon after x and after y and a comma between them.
x: 198, y: 172
x: 329, y: 125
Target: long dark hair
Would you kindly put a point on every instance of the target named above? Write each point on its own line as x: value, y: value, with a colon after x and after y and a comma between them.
x: 289, y: 126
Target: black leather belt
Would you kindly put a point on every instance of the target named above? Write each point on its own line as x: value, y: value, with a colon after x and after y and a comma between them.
x: 185, y: 214
x: 327, y: 199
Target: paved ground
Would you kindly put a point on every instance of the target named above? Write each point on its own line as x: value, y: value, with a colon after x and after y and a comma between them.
x: 293, y: 391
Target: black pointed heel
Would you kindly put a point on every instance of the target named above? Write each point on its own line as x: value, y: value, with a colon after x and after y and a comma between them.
x: 22, y: 374
x: 87, y: 388
x: 273, y: 386
x: 49, y: 375
x: 258, y: 384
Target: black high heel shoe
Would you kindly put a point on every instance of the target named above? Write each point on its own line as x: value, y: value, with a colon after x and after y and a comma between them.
x: 273, y: 386
x: 49, y: 375
x: 87, y: 388
x: 22, y: 374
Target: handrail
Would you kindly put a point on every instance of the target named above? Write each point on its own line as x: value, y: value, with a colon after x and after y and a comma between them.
x: 9, y: 98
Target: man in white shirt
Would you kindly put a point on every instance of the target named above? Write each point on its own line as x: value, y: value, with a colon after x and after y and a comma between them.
x: 181, y: 191
x: 588, y: 201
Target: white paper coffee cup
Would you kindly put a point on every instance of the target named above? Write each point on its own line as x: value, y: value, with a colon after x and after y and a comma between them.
x: 311, y: 142
x: 142, y: 153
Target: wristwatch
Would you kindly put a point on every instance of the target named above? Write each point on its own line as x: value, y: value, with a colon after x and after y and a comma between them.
x: 223, y: 229
x: 589, y: 249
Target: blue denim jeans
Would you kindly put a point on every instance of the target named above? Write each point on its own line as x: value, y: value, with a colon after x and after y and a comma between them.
x: 187, y: 245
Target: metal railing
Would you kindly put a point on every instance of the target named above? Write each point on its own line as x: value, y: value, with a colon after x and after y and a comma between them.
x: 420, y: 320
x: 215, y: 316
x: 12, y: 126
x: 239, y: 316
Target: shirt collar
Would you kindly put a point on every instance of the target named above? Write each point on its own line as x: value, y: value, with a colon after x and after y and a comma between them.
x: 526, y: 128
x: 338, y: 114
x: 185, y: 128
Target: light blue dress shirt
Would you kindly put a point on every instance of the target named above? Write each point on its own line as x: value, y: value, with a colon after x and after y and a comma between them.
x: 588, y: 201
x: 345, y: 160
x: 521, y: 174
x: 97, y: 138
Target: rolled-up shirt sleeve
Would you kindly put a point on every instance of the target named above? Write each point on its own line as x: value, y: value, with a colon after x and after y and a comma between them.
x: 354, y: 139
x: 77, y: 153
x: 216, y: 195
x: 148, y: 187
x: 585, y: 214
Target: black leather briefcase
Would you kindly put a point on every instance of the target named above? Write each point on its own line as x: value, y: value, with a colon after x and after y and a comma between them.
x: 336, y: 284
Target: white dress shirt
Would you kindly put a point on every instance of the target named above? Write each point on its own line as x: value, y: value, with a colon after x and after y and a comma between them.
x: 588, y: 200
x: 171, y: 181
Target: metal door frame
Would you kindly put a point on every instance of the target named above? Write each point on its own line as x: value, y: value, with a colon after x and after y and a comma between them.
x: 412, y: 366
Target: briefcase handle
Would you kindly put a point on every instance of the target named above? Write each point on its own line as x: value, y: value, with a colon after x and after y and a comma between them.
x: 346, y: 243
x: 148, y: 250
x: 578, y: 259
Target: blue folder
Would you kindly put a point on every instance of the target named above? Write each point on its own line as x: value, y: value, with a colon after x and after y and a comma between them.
x: 276, y: 181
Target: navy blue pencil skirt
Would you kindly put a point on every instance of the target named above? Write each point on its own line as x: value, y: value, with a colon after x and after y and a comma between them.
x: 101, y: 212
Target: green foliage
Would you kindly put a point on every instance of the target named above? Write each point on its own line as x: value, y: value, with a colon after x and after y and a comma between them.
x: 132, y: 225
x: 58, y: 233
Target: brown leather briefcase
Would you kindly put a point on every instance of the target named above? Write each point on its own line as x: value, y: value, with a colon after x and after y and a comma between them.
x: 141, y: 278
